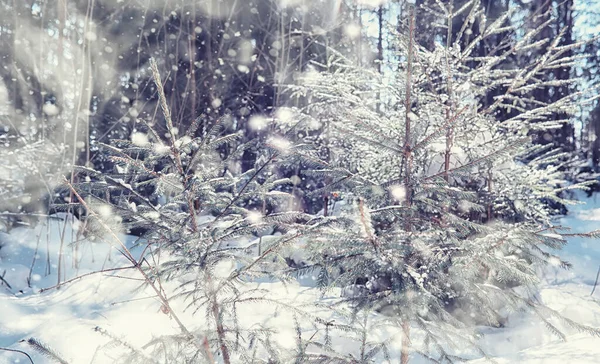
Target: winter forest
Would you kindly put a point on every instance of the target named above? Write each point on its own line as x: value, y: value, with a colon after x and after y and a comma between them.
x: 299, y: 181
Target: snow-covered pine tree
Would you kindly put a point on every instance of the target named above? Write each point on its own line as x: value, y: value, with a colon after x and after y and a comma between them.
x: 446, y: 212
x: 199, y: 230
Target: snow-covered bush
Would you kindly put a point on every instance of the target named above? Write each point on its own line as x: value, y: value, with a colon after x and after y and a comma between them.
x: 447, y: 199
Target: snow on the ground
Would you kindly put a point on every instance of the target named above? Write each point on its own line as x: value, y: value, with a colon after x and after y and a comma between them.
x: 526, y: 339
x: 65, y: 318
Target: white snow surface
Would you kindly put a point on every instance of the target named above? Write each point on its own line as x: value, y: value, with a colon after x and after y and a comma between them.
x: 65, y: 318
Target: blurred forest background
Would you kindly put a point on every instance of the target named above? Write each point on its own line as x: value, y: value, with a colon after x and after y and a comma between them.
x: 76, y: 72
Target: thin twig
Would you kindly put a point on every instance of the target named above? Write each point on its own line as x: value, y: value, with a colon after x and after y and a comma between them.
x: 131, y: 300
x: 216, y: 311
x: 85, y: 275
x: 166, y: 112
x: 596, y: 281
x: 4, y: 280
x: 20, y: 352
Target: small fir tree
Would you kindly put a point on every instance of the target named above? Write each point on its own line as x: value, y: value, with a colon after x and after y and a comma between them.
x: 198, y: 230
x: 446, y: 199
